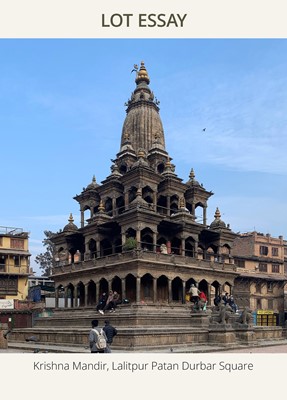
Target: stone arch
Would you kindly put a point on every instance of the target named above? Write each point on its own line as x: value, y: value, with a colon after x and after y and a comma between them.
x: 147, y: 194
x: 117, y: 285
x: 162, y: 289
x: 92, y: 246
x: 176, y: 245
x: 190, y: 247
x: 160, y: 167
x: 132, y: 193
x: 162, y: 205
x: 120, y: 204
x: 225, y: 253
x: 146, y: 291
x: 60, y: 294
x: 203, y: 286
x: 198, y: 209
x: 147, y: 239
x: 131, y: 233
x: 211, y: 252
x: 177, y: 290
x: 174, y: 200
x: 106, y: 247
x: 109, y: 206
x: 131, y: 283
x: 86, y: 213
x: 80, y: 294
x: 92, y: 293
x: 70, y: 295
x: 189, y: 282
x: 215, y: 290
x: 103, y: 286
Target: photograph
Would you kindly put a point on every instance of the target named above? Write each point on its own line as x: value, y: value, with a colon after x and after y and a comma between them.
x: 143, y: 202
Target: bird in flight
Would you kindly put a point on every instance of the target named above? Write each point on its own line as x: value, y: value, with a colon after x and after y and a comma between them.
x: 204, y: 129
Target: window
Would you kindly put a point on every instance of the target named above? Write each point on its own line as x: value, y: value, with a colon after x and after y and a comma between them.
x: 1, y: 242
x: 285, y: 251
x: 275, y: 251
x: 285, y: 268
x: 270, y: 286
x: 262, y: 267
x: 263, y: 250
x: 17, y: 244
x: 276, y: 268
x: 239, y: 263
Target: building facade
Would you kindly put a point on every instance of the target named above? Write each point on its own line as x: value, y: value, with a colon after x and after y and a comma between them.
x: 262, y: 279
x: 143, y: 230
x: 14, y: 263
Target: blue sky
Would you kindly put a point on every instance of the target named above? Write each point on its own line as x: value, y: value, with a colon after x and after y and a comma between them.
x: 62, y: 110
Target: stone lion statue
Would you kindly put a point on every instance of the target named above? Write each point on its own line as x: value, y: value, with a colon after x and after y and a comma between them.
x: 246, y: 318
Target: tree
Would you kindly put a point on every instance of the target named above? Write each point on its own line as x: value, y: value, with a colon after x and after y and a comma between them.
x: 46, y: 259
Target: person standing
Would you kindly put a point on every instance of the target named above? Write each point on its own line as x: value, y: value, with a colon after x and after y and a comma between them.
x: 194, y: 294
x: 110, y: 332
x: 95, y: 332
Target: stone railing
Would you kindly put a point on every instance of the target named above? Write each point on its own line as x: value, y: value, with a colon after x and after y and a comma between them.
x: 130, y: 256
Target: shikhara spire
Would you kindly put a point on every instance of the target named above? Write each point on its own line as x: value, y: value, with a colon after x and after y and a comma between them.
x: 142, y: 126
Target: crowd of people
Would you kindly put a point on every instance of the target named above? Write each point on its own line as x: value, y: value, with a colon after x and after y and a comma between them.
x: 226, y: 299
x: 199, y: 298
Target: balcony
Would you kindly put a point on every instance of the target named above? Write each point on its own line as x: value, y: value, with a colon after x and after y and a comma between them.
x: 141, y: 255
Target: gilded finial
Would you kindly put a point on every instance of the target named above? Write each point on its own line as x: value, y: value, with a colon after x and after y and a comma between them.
x: 192, y: 175
x: 142, y: 74
x: 71, y: 219
x: 101, y: 206
x: 217, y: 214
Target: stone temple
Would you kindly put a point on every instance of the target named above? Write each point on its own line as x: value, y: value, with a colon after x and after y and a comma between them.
x: 144, y: 234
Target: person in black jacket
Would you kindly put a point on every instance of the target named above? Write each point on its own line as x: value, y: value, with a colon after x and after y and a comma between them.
x: 110, y: 332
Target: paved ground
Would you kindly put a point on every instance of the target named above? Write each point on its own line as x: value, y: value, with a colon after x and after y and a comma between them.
x: 274, y: 347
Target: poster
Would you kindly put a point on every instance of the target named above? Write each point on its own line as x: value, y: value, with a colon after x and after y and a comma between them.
x: 133, y: 25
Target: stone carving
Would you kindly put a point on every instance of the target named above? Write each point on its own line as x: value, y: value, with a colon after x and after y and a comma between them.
x: 246, y: 318
x: 221, y: 314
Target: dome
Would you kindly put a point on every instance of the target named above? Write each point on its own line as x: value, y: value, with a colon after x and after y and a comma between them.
x: 93, y: 184
x: 217, y: 223
x: 70, y: 227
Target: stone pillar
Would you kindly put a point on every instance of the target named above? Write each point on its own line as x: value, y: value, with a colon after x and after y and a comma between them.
x: 98, y: 248
x: 182, y: 246
x: 123, y: 288
x: 183, y: 291
x: 138, y: 236
x: 98, y: 291
x: 138, y: 290
x: 114, y: 205
x: 168, y: 205
x: 154, y: 239
x: 169, y: 291
x: 123, y: 239
x: 209, y: 294
x: 204, y: 215
x: 82, y: 219
x: 57, y: 298
x: 66, y: 297
x: 154, y: 290
x: 86, y: 294
x: 126, y: 200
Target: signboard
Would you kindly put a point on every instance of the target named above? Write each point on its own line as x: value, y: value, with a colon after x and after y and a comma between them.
x: 6, y: 304
x: 265, y: 312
